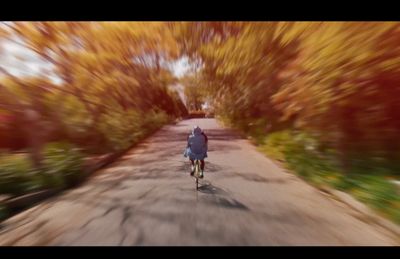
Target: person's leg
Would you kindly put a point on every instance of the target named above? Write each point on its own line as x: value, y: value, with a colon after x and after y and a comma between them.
x: 202, y: 168
x: 192, y: 167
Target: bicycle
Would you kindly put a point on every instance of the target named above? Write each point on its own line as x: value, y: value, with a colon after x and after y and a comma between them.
x: 197, y: 172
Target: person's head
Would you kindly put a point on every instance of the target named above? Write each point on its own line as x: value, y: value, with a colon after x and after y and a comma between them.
x: 196, y: 130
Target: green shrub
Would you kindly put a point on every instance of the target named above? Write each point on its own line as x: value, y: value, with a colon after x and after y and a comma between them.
x: 124, y: 128
x: 372, y: 189
x: 154, y: 120
x: 62, y: 165
x: 120, y: 128
x: 366, y: 181
x: 76, y: 119
x: 299, y: 151
x: 17, y: 175
x: 276, y: 144
x: 255, y: 128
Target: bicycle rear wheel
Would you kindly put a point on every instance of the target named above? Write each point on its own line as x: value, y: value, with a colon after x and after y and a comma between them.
x: 197, y: 173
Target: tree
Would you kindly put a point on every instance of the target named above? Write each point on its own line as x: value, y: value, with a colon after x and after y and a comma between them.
x: 194, y: 93
x: 337, y: 81
x: 104, y: 68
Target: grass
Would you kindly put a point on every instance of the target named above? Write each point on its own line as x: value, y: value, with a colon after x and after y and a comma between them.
x: 370, y: 187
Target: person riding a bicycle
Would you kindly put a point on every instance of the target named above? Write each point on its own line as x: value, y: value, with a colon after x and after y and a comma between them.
x: 197, y: 147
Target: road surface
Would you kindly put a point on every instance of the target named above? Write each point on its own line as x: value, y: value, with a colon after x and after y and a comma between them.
x: 148, y: 198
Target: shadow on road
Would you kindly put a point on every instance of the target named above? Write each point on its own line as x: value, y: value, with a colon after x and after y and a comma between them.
x: 184, y: 167
x: 208, y: 188
x: 219, y: 197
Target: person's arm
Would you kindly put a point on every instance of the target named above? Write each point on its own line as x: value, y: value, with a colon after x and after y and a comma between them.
x: 205, y: 136
x: 206, y: 140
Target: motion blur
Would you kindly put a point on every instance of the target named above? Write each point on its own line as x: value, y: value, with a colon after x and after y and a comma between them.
x: 323, y: 98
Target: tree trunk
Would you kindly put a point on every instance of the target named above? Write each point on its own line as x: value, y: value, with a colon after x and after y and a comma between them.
x: 33, y: 134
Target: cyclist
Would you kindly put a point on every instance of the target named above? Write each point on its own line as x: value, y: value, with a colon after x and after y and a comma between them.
x: 197, y: 146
